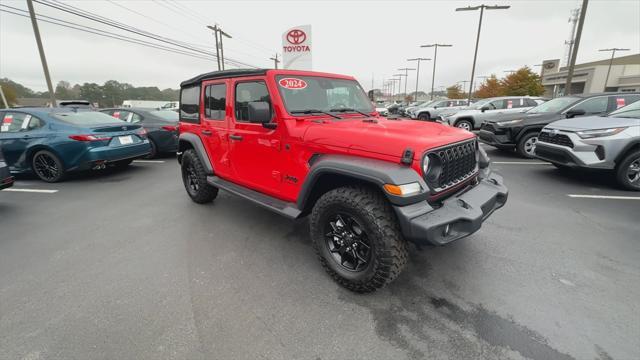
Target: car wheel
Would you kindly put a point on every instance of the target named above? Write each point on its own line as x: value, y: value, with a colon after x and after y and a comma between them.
x: 357, y: 239
x: 47, y: 166
x: 424, y: 117
x: 154, y: 150
x: 194, y: 178
x: 628, y: 171
x: 527, y: 145
x: 464, y: 124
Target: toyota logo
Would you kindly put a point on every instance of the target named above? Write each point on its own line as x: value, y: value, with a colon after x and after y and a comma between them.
x: 296, y: 37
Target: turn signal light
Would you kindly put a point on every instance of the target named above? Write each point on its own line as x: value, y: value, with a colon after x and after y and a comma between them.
x: 403, y: 190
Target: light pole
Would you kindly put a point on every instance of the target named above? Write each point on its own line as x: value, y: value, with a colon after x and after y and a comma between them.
x: 417, y: 73
x: 613, y: 53
x: 475, y: 55
x: 574, y: 49
x: 43, y: 59
x: 399, y: 76
x: 406, y: 78
x: 435, y: 58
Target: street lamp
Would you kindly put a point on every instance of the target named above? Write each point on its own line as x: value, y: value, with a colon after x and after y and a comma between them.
x: 406, y: 78
x: 475, y: 55
x: 399, y: 76
x: 511, y: 71
x: 417, y: 74
x: 613, y: 53
x: 435, y: 58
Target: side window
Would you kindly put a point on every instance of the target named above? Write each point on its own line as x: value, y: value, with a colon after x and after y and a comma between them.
x: 594, y: 105
x: 120, y: 114
x: 248, y: 92
x: 134, y: 118
x: 14, y: 122
x: 619, y: 101
x: 35, y: 123
x: 190, y: 104
x: 530, y: 102
x: 215, y: 101
x: 498, y: 104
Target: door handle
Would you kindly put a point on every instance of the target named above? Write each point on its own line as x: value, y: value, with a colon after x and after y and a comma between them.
x: 206, y: 132
x: 235, y: 137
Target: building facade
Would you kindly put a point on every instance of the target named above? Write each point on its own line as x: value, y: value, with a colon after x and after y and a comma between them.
x: 590, y: 77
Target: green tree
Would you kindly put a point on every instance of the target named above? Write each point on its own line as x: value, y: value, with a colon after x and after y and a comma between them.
x: 491, y: 87
x: 63, y: 90
x: 522, y: 82
x: 10, y: 94
x: 92, y: 92
x: 455, y: 92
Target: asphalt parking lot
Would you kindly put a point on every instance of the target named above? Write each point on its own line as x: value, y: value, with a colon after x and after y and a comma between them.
x: 122, y: 265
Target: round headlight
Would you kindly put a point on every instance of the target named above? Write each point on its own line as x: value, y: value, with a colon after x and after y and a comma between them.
x: 433, y: 169
x: 425, y: 165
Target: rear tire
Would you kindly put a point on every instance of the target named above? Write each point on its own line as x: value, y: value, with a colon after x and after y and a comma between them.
x: 628, y: 171
x: 356, y: 225
x: 154, y: 150
x: 194, y: 178
x: 47, y: 166
x: 527, y: 145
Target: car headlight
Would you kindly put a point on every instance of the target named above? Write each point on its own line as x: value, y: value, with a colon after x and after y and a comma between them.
x: 589, y: 134
x: 508, y: 122
x: 432, y: 168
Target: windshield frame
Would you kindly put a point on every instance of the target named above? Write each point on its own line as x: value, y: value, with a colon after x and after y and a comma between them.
x: 277, y: 78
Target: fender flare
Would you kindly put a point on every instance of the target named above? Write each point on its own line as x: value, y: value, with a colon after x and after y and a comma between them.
x: 376, y: 172
x: 199, y: 148
x: 626, y: 149
x: 527, y: 129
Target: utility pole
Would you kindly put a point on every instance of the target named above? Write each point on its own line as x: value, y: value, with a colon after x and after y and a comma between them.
x: 4, y: 99
x: 415, y: 98
x: 275, y: 61
x: 219, y: 47
x: 435, y: 58
x: 400, y: 82
x: 613, y: 53
x: 475, y: 55
x: 406, y: 78
x: 43, y: 59
x: 574, y: 54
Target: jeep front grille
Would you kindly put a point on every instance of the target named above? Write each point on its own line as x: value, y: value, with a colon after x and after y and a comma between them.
x: 557, y: 139
x: 456, y: 163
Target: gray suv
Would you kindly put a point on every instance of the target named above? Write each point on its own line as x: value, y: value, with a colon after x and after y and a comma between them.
x: 609, y: 142
x: 471, y: 117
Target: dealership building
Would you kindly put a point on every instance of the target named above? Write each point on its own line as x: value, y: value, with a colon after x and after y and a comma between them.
x: 590, y: 77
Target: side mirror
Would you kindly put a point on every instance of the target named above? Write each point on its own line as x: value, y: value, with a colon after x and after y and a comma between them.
x: 575, y: 112
x: 259, y: 112
x: 485, y: 108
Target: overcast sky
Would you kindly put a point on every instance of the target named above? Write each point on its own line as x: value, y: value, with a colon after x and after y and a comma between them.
x: 360, y: 38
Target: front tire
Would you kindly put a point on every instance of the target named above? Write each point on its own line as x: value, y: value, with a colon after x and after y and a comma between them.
x: 628, y: 171
x: 194, y: 178
x: 357, y: 238
x: 424, y: 117
x: 527, y: 145
x: 47, y: 166
x: 465, y: 125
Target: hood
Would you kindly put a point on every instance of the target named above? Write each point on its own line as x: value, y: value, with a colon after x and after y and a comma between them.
x: 529, y: 118
x: 593, y: 122
x: 387, y: 137
x: 464, y: 111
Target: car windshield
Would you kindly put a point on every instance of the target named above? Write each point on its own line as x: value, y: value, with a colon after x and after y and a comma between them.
x: 629, y: 111
x: 168, y: 115
x: 555, y: 105
x: 86, y: 118
x: 301, y: 93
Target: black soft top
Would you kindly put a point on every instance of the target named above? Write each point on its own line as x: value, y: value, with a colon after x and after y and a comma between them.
x: 222, y: 74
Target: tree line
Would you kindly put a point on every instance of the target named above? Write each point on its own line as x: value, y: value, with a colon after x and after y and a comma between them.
x: 111, y: 93
x: 519, y: 83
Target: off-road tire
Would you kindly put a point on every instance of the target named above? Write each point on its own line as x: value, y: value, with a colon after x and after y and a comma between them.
x: 193, y: 171
x: 622, y: 169
x: 373, y: 212
x: 424, y: 117
x: 461, y: 125
x: 522, y: 143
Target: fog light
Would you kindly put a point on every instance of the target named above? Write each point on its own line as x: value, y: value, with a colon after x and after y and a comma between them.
x: 447, y: 229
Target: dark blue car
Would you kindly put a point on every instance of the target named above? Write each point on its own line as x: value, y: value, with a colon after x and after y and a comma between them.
x: 53, y: 142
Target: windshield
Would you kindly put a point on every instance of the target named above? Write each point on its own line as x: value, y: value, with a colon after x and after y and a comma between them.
x: 168, y: 115
x: 555, y: 105
x: 629, y: 111
x: 301, y: 93
x: 86, y: 118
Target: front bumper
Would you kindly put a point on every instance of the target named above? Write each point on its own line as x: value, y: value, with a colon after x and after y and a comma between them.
x: 459, y: 216
x: 6, y: 180
x: 493, y: 139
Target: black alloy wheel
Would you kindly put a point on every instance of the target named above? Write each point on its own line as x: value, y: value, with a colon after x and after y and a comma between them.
x: 348, y: 243
x: 47, y: 166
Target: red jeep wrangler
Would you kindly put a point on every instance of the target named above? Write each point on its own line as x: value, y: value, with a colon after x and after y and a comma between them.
x: 308, y: 143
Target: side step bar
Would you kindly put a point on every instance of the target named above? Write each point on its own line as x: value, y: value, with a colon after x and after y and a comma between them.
x: 281, y: 207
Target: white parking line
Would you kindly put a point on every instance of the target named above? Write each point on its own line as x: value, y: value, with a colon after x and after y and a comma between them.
x: 42, y: 191
x: 149, y: 161
x: 603, y: 197
x: 520, y: 163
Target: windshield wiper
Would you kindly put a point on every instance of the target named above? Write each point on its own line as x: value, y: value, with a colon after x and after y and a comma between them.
x: 350, y: 110
x: 314, y: 111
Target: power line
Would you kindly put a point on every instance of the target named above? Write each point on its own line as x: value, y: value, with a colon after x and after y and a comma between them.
x: 103, y: 33
x: 97, y: 18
